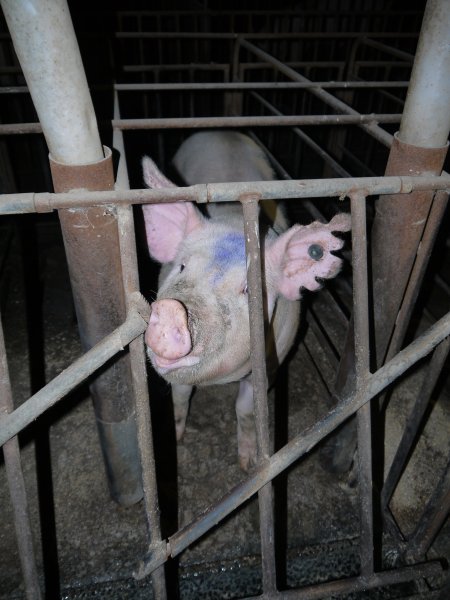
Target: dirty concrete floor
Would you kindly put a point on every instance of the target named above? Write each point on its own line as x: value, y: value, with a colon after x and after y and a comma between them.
x: 92, y: 545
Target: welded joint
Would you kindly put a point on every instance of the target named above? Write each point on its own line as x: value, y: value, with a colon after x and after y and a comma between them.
x: 157, y: 554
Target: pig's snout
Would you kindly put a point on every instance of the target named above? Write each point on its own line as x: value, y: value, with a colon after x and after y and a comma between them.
x: 167, y: 333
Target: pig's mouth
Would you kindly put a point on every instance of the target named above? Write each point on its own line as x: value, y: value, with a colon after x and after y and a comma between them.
x: 170, y: 336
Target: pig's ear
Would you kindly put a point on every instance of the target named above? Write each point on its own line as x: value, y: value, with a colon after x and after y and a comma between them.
x: 166, y: 225
x: 303, y: 255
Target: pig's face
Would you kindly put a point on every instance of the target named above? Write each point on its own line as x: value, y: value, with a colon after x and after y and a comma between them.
x: 208, y: 279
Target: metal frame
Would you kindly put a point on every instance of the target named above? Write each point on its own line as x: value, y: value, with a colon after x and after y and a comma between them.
x: 130, y: 333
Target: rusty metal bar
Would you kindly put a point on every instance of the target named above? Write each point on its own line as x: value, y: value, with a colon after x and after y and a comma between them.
x: 374, y: 130
x: 302, y: 443
x: 76, y: 373
x: 224, y: 192
x: 414, y: 420
x: 357, y: 584
x: 259, y: 380
x: 361, y: 341
x: 16, y: 484
x: 130, y: 277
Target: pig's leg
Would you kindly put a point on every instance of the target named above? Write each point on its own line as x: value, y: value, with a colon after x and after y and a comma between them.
x: 246, y: 433
x: 180, y: 397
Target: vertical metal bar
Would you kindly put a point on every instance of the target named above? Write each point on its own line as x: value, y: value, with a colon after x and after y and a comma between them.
x: 16, y: 484
x: 259, y: 379
x: 414, y: 419
x: 47, y: 48
x: 361, y: 324
x: 138, y: 365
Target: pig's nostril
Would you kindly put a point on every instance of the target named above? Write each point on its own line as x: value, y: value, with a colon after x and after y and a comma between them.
x: 315, y: 251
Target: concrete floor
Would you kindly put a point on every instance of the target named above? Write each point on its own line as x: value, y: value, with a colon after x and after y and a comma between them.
x: 91, y: 545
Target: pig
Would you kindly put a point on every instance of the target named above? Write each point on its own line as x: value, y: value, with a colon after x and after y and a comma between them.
x: 198, y: 332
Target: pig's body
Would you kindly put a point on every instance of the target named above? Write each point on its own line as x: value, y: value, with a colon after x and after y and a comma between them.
x: 198, y: 332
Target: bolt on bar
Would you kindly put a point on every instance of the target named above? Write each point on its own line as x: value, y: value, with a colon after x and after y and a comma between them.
x: 361, y: 341
x: 76, y: 373
x: 16, y: 485
x: 305, y: 441
x: 259, y: 380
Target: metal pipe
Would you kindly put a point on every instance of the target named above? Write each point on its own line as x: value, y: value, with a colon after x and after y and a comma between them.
x: 301, y: 444
x: 420, y: 147
x: 224, y: 192
x: 46, y: 46
x: 426, y: 117
x: 16, y: 485
x: 301, y: 35
x: 76, y: 373
x: 259, y: 380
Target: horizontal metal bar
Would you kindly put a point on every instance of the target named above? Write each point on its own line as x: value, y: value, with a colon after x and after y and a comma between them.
x: 252, y: 121
x: 302, y: 443
x: 357, y: 584
x: 298, y: 36
x: 270, y: 85
x: 12, y: 423
x: 200, y: 122
x: 224, y: 192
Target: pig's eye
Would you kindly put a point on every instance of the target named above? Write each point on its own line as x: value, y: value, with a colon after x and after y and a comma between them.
x: 182, y: 266
x: 244, y: 289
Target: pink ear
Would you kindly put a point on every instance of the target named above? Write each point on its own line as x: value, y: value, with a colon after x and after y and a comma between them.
x: 302, y: 253
x: 166, y: 225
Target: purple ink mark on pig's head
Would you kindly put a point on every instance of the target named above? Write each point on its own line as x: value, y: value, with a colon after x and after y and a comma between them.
x: 229, y: 251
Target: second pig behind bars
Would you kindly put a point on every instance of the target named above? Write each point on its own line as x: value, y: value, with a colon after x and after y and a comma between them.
x: 198, y: 333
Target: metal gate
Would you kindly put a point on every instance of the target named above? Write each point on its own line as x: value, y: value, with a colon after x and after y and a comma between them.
x: 257, y: 83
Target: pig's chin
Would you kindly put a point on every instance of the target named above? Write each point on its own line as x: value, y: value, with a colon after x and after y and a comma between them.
x: 166, y: 365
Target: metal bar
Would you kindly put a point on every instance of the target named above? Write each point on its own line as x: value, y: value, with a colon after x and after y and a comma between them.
x: 426, y: 118
x: 16, y: 484
x: 130, y: 277
x: 253, y: 121
x: 259, y: 380
x: 357, y: 584
x: 301, y: 35
x: 432, y: 518
x: 434, y: 220
x: 303, y: 443
x: 375, y: 131
x: 48, y: 52
x: 224, y: 192
x: 361, y: 344
x: 327, y: 158
x: 414, y: 420
x: 389, y: 49
x: 200, y: 122
x: 76, y: 373
x: 272, y: 85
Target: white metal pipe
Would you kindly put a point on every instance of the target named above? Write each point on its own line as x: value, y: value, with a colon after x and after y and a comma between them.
x: 426, y: 116
x: 46, y: 46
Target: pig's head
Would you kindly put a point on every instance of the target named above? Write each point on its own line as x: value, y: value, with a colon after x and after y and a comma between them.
x: 199, y: 328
